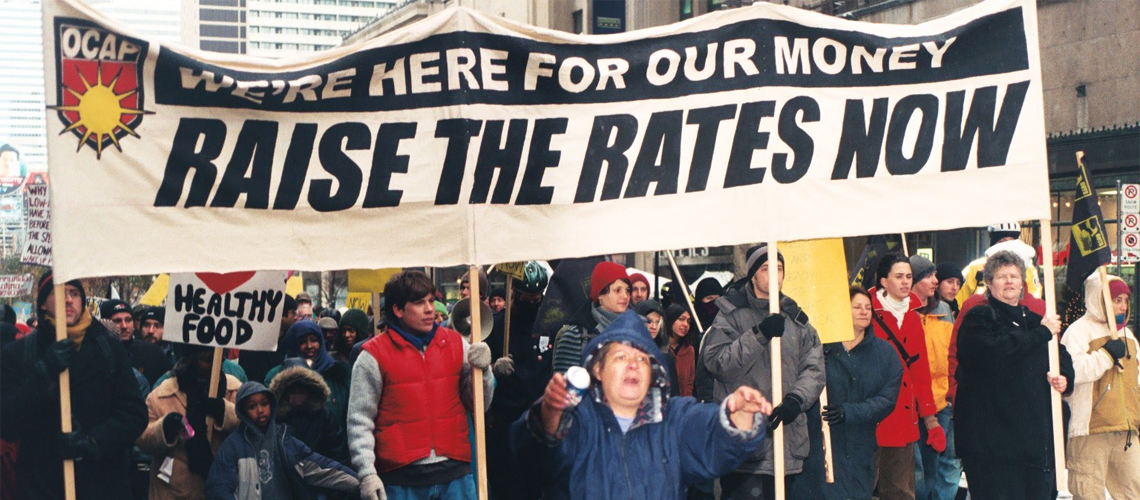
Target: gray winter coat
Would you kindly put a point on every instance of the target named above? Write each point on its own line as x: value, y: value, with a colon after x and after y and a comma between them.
x: 735, y: 355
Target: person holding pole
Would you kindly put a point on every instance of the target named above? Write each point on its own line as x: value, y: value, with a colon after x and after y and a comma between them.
x: 622, y: 437
x: 411, y: 393
x: 180, y: 463
x: 1103, y: 430
x: 896, y: 320
x: 520, y: 380
x: 737, y: 353
x: 863, y: 379
x: 1002, y: 412
x: 107, y: 410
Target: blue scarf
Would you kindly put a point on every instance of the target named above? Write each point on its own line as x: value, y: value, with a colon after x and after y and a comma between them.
x: 420, y: 341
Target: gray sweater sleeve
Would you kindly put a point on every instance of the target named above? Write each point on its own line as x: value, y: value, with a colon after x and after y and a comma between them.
x: 363, y: 403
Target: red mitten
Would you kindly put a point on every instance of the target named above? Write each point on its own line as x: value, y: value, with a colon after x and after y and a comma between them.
x: 936, y: 438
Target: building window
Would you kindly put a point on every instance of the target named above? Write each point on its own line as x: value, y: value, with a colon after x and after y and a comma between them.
x: 218, y: 30
x: 220, y: 15
x: 686, y: 9
x: 222, y: 3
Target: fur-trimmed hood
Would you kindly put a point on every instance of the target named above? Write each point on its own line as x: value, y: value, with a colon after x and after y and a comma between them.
x: 299, y: 376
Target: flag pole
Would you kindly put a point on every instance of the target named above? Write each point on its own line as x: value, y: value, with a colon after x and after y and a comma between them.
x: 777, y: 371
x: 828, y: 463
x: 1054, y: 353
x: 64, y: 389
x: 477, y: 389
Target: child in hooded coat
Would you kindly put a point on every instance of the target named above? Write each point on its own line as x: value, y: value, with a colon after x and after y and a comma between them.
x: 262, y: 460
x: 301, y: 396
x: 337, y: 374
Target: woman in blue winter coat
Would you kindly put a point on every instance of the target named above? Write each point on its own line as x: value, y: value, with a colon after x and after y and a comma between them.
x: 863, y: 377
x: 306, y: 340
x: 627, y: 439
x: 261, y: 460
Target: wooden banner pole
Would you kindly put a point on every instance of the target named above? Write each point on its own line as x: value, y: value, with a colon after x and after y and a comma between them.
x: 1054, y: 352
x: 507, y: 318
x: 680, y: 280
x: 64, y: 388
x: 477, y: 386
x: 777, y: 371
x: 828, y: 463
x: 215, y: 375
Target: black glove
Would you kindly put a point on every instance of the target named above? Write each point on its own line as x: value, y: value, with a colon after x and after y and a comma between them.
x: 171, y: 427
x: 787, y: 411
x: 78, y: 446
x: 834, y: 414
x: 772, y: 326
x: 1117, y: 349
x: 57, y: 358
x: 214, y: 407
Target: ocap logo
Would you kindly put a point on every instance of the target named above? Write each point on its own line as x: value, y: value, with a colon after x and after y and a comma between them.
x: 99, y: 94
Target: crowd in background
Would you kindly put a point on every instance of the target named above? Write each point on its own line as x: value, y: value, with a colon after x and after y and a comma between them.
x: 947, y: 371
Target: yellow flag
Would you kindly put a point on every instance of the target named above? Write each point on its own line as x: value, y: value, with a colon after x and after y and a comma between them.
x: 294, y: 285
x: 815, y: 275
x: 157, y: 291
x: 369, y: 280
x: 358, y: 300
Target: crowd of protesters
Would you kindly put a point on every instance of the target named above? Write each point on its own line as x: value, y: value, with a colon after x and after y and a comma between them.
x: 947, y: 371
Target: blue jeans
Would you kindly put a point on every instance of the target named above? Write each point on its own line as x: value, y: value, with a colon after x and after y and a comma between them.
x: 936, y: 475
x: 459, y: 489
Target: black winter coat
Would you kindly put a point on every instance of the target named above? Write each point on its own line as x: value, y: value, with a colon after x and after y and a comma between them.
x: 865, y: 382
x: 105, y: 404
x: 1002, y: 410
x: 148, y: 359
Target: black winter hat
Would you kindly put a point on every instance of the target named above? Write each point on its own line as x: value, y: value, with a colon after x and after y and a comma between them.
x: 947, y: 270
x: 112, y: 307
x: 155, y: 313
x: 710, y: 286
x: 47, y: 284
x: 499, y: 292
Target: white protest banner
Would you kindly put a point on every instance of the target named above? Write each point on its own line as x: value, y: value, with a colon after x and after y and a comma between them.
x: 37, y: 249
x: 239, y: 310
x: 466, y: 138
x: 16, y: 285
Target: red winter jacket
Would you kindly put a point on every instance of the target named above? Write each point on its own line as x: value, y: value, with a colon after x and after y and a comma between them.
x: 900, y: 428
x: 1033, y: 303
x: 420, y: 408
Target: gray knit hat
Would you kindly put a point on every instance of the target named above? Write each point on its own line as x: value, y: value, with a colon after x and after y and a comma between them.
x: 920, y: 267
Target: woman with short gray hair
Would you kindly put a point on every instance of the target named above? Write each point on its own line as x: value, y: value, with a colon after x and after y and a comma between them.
x: 1002, y: 412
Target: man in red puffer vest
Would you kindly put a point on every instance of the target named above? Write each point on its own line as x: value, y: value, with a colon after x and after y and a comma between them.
x: 410, y: 397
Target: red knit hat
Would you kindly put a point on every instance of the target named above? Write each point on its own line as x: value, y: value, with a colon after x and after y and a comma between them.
x: 1115, y: 288
x: 604, y: 274
x: 635, y: 277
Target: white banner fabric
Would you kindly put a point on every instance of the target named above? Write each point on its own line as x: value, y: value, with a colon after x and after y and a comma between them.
x: 466, y: 138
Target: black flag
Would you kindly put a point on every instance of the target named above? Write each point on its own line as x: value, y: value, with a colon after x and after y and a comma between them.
x: 568, y: 294
x: 1088, y: 243
x: 863, y: 274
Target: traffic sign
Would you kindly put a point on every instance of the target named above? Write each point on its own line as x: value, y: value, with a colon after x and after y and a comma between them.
x: 1130, y: 200
x: 1130, y: 250
x: 1131, y: 223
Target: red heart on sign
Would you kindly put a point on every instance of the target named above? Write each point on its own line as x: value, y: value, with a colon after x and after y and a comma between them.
x: 222, y: 283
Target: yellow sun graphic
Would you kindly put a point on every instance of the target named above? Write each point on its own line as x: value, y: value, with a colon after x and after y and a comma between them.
x: 100, y: 111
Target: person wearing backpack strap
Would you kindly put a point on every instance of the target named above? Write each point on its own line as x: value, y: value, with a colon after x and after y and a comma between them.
x: 107, y: 409
x: 896, y: 320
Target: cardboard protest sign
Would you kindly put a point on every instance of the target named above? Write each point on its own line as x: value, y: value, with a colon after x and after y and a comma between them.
x: 37, y: 249
x: 16, y: 285
x: 369, y: 280
x: 815, y: 276
x: 500, y: 142
x: 234, y: 310
x: 358, y: 300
